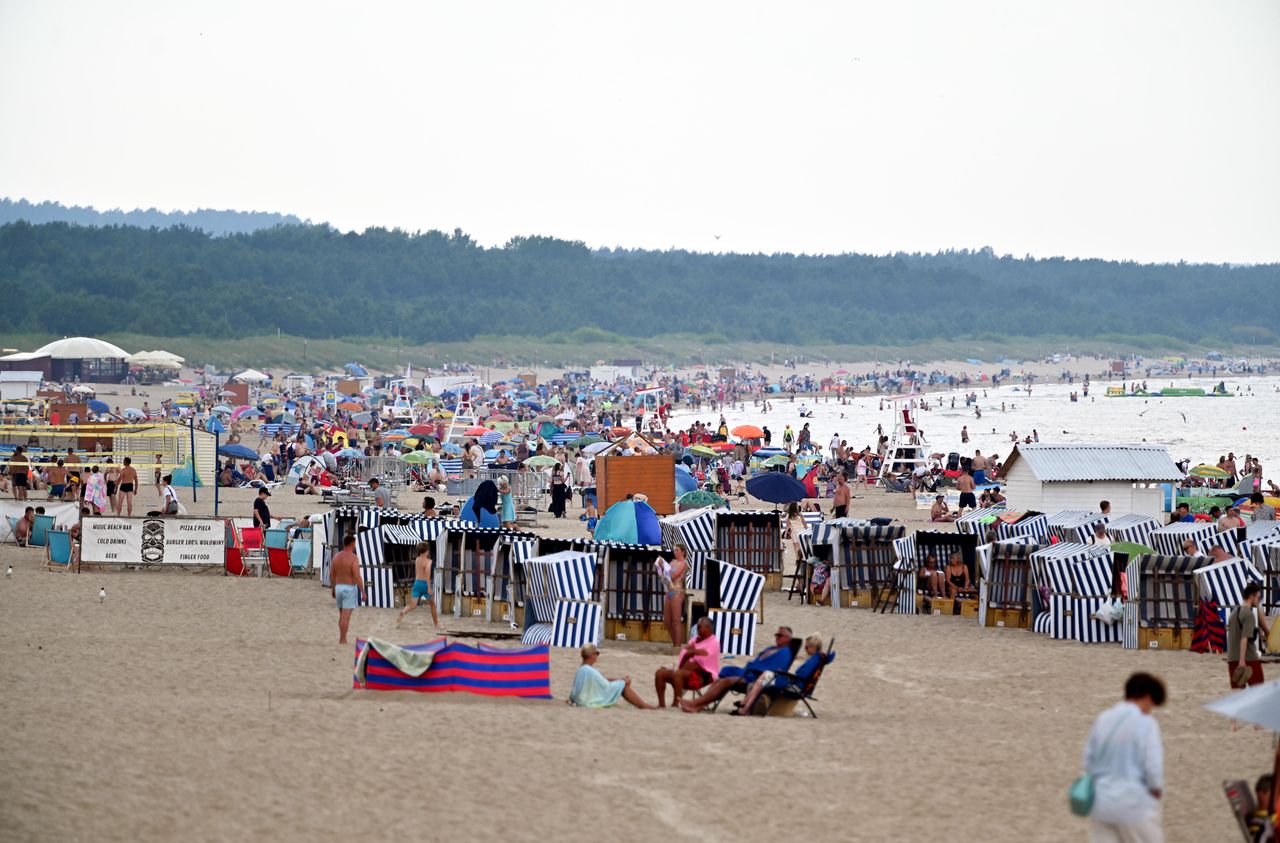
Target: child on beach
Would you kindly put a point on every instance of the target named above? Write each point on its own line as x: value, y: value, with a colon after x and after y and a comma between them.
x: 421, y: 585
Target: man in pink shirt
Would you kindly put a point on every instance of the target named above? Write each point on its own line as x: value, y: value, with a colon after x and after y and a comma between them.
x: 697, y: 666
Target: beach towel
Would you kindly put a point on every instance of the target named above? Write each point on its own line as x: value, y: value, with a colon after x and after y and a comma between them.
x: 1210, y: 633
x: 410, y: 662
x: 592, y: 690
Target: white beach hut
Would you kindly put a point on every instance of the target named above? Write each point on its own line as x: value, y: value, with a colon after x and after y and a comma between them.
x: 1051, y: 477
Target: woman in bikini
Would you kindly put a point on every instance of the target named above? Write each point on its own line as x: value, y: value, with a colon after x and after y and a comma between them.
x: 673, y: 603
x: 958, y: 584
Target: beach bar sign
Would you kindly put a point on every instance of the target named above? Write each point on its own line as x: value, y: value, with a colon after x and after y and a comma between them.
x: 153, y: 541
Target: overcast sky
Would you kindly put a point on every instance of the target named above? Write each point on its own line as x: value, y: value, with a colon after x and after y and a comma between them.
x: 1137, y: 130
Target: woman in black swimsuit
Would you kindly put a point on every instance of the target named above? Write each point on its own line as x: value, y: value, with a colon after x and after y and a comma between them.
x: 958, y: 584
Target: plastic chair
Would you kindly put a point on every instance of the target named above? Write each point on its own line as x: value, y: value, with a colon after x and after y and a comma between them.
x: 40, y: 530
x: 57, y: 553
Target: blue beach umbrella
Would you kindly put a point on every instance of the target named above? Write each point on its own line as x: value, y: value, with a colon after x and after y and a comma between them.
x: 776, y: 487
x: 238, y: 451
x: 685, y: 481
x: 632, y: 522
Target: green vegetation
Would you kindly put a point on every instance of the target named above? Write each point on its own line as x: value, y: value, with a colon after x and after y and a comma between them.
x: 441, y: 296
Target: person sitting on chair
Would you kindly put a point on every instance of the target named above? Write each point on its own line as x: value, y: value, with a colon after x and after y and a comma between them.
x: 814, y: 660
x: 777, y: 657
x: 1262, y: 812
x: 930, y: 580
x: 697, y: 666
x: 958, y: 584
x: 22, y: 529
x: 592, y: 689
x: 819, y: 581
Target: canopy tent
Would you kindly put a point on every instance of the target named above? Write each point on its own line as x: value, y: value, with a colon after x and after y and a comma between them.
x: 74, y: 348
x: 153, y: 360
x: 251, y: 376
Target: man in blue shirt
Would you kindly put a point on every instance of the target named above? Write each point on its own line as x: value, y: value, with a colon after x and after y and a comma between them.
x: 775, y: 658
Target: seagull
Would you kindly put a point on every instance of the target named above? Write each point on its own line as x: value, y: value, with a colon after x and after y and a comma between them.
x: 1184, y: 415
x: 8, y: 573
x: 717, y: 236
x: 102, y: 595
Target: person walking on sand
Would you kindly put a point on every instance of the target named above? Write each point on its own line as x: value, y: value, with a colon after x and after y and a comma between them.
x: 128, y: 487
x: 1125, y: 756
x: 346, y: 585
x: 421, y: 585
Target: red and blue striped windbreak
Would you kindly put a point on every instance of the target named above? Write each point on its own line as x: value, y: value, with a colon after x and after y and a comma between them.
x: 491, y: 671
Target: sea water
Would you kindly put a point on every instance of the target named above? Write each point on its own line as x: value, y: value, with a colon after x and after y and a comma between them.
x: 1198, y: 429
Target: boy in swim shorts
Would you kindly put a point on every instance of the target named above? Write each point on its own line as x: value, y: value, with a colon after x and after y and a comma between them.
x: 421, y: 584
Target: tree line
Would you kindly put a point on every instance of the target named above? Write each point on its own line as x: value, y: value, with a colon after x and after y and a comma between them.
x: 315, y: 281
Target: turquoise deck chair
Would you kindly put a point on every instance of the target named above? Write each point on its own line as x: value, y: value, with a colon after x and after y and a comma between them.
x: 40, y: 530
x: 300, y: 554
x: 57, y: 553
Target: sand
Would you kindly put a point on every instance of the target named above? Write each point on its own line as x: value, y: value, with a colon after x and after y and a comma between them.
x: 212, y: 708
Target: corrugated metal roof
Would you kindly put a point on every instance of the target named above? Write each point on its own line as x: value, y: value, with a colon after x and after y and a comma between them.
x: 1053, y: 463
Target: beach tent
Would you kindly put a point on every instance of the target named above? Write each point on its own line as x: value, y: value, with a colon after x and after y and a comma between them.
x: 630, y: 522
x: 251, y: 376
x: 437, y: 667
x: 186, y: 475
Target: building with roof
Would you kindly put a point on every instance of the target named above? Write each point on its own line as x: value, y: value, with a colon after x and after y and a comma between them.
x: 88, y: 359
x: 19, y: 385
x: 1047, y: 477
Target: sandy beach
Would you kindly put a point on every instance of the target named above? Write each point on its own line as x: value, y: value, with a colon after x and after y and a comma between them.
x: 215, y: 709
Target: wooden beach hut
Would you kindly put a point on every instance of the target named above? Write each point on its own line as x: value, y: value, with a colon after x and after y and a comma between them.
x: 1046, y: 477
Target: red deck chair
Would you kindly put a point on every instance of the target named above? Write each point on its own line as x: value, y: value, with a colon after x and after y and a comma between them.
x: 233, y: 563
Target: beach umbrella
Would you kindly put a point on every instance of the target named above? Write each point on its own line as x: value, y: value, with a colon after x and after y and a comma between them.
x: 685, y: 481
x: 699, y: 498
x: 219, y: 408
x: 701, y: 451
x: 490, y: 437
x: 451, y: 448
x: 543, y: 418
x: 226, y: 393
x: 475, y: 431
x: 350, y: 454
x: 776, y: 487
x: 214, y: 426
x: 422, y: 429
x: 1131, y: 548
x: 238, y: 451
x: 722, y: 447
x: 765, y: 453
x: 350, y: 406
x: 362, y: 418
x: 246, y: 413
x: 135, y: 413
x: 747, y: 431
x: 584, y: 441
x: 780, y: 459
x: 1258, y: 704
x: 329, y: 460
x: 418, y: 457
x: 1209, y: 472
x: 96, y: 406
x: 541, y: 461
x: 632, y: 522
x: 566, y: 416
x: 83, y: 390
x: 596, y: 448
x: 398, y: 433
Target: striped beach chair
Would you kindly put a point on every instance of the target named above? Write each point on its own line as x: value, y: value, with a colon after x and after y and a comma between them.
x: 1079, y: 579
x: 1004, y: 589
x: 1266, y: 560
x: 863, y: 560
x: 633, y: 591
x: 1074, y: 525
x: 560, y: 609
x: 1161, y: 606
x: 1224, y: 582
x: 1033, y: 525
x: 751, y: 540
x: 696, y: 530
x: 1132, y: 528
x: 735, y: 608
x: 1169, y: 540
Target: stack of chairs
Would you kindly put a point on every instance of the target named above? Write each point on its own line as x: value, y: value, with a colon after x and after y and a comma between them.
x: 560, y: 605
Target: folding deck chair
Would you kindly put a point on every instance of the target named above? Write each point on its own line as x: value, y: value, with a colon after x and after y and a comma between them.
x: 277, y: 544
x: 57, y: 552
x: 780, y: 663
x: 40, y: 531
x: 788, y: 689
x: 233, y: 562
